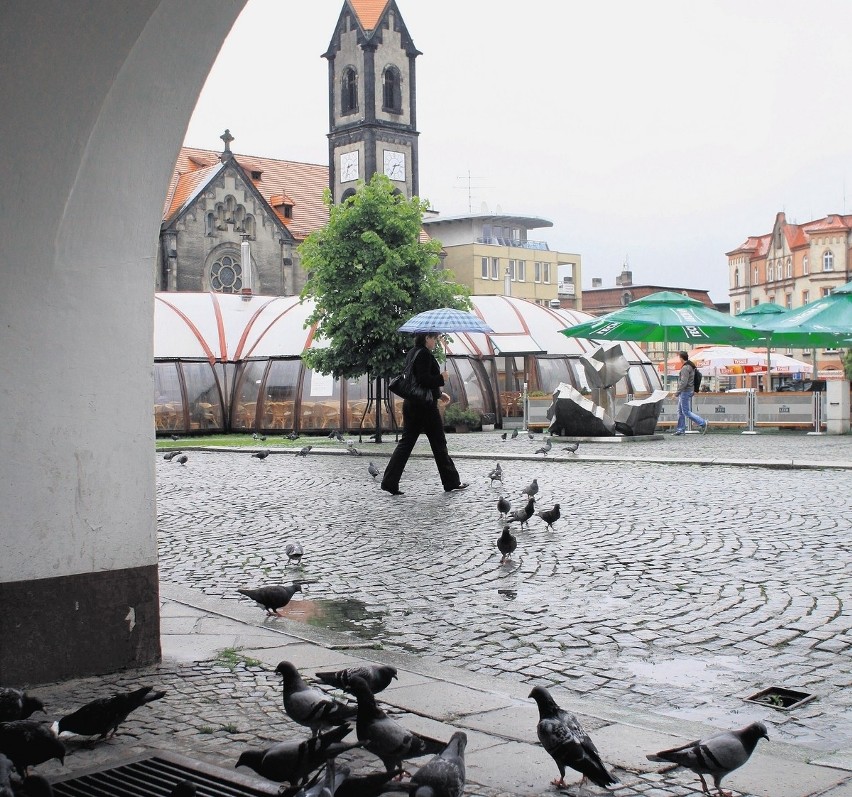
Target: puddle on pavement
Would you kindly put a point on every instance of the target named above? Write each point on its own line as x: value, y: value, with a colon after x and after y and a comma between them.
x: 348, y: 615
x: 683, y: 671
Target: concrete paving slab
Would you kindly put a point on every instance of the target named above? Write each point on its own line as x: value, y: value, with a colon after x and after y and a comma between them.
x: 843, y: 790
x: 839, y: 760
x: 512, y: 768
x: 771, y: 776
x: 516, y: 722
x: 444, y: 701
x: 627, y: 746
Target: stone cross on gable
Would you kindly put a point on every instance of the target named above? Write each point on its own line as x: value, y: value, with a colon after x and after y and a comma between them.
x: 227, y: 138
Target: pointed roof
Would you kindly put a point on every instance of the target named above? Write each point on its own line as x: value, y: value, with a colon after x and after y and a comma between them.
x: 369, y: 12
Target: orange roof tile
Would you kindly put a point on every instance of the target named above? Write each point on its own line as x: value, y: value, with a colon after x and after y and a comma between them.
x: 369, y: 12
x: 302, y: 184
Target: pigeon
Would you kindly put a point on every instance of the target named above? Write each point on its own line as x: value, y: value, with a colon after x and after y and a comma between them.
x: 294, y: 552
x: 530, y: 435
x: 102, y: 717
x: 531, y: 489
x: 503, y: 506
x: 561, y: 734
x: 377, y: 676
x: 262, y: 454
x: 338, y: 436
x: 182, y: 459
x: 304, y: 451
x: 186, y: 788
x: 34, y: 786
x: 275, y: 596
x: 260, y: 437
x: 545, y: 449
x: 717, y: 755
x: 503, y: 436
x: 506, y: 544
x: 522, y: 516
x: 169, y: 456
x: 444, y: 775
x: 308, y: 705
x: 328, y: 786
x: 514, y: 433
x: 496, y: 475
x: 174, y: 437
x: 384, y: 737
x: 571, y: 447
x: 350, y: 449
x: 293, y: 435
x: 370, y: 785
x: 372, y: 470
x: 295, y: 761
x: 28, y: 743
x: 550, y: 516
x: 16, y: 704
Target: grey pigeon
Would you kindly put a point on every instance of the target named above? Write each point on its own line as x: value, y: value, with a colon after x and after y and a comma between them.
x: 383, y: 737
x: 571, y: 447
x: 294, y: 552
x: 186, y: 788
x: 260, y: 437
x: 294, y: 761
x: 293, y: 435
x: 27, y: 743
x: 373, y: 470
x: 503, y: 506
x: 444, y: 775
x: 330, y: 783
x: 506, y: 544
x: 522, y: 516
x: 169, y: 456
x: 561, y: 734
x: 16, y: 704
x: 182, y: 459
x: 550, y: 516
x: 496, y: 474
x: 304, y: 451
x: 531, y: 489
x: 308, y: 705
x: 102, y: 717
x: 377, y: 676
x: 262, y: 454
x: 545, y: 449
x: 350, y: 449
x: 275, y: 596
x: 370, y: 785
x: 174, y: 437
x: 717, y: 755
x: 514, y: 433
x: 530, y: 435
x: 503, y: 436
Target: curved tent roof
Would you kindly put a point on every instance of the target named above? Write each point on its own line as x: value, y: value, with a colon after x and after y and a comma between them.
x: 226, y: 327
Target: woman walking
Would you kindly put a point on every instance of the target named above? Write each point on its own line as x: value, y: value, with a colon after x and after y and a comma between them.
x: 423, y: 417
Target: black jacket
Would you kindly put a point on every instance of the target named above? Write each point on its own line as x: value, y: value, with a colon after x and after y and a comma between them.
x: 426, y: 370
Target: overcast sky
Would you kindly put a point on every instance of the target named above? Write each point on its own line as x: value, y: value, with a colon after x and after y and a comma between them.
x: 663, y: 132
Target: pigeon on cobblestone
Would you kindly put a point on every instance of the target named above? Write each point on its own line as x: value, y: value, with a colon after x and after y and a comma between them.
x: 373, y: 470
x: 262, y: 454
x: 28, y: 743
x: 16, y: 704
x: 506, y: 544
x: 308, y: 705
x: 545, y: 449
x: 571, y: 448
x: 522, y: 516
x: 304, y: 451
x: 496, y: 474
x: 504, y: 435
x: 182, y: 459
x: 531, y: 489
x: 294, y: 552
x: 384, y: 737
x: 717, y: 755
x: 444, y: 775
x: 550, y: 516
x: 503, y: 506
x: 514, y: 433
x: 275, y: 596
x: 377, y: 676
x: 170, y: 455
x: 102, y: 717
x: 562, y: 736
x: 294, y: 761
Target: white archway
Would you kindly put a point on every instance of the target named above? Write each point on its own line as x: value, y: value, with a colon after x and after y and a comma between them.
x: 96, y: 101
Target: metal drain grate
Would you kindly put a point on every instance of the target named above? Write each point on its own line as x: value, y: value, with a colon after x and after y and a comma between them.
x: 155, y: 776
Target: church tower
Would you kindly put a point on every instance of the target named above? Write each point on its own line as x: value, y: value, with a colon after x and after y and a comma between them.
x: 372, y: 99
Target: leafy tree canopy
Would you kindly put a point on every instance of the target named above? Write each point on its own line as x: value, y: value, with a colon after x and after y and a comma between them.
x: 368, y: 273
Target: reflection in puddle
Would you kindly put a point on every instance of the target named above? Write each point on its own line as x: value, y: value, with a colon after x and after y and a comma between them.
x: 350, y: 615
x: 683, y: 671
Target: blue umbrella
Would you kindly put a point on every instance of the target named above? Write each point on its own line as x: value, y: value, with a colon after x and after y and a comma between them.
x: 445, y: 319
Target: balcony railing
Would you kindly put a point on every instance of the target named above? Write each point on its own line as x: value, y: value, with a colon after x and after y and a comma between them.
x: 514, y: 242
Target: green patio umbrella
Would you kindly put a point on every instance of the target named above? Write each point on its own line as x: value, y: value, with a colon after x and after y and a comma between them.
x: 759, y: 316
x: 667, y: 316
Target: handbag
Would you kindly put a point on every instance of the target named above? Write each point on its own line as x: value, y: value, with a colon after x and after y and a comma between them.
x: 406, y: 386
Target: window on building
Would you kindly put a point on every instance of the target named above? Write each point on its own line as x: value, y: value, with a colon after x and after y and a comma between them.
x: 828, y: 260
x: 770, y: 272
x: 788, y: 301
x: 484, y: 273
x: 522, y: 271
x: 789, y: 268
x: 537, y: 272
x: 826, y: 292
x: 805, y: 265
x: 349, y: 91
x: 512, y: 270
x: 545, y: 272
x: 771, y: 300
x: 756, y: 276
x: 806, y: 297
x: 736, y: 278
x: 755, y: 302
x: 392, y: 90
x: 495, y: 268
x: 226, y: 275
x: 736, y: 308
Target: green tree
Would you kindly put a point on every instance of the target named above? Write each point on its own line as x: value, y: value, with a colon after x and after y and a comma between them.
x: 847, y: 364
x: 369, y: 272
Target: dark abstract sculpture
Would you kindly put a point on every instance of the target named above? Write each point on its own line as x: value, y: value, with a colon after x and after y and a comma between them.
x: 640, y: 416
x: 574, y: 415
x: 604, y: 368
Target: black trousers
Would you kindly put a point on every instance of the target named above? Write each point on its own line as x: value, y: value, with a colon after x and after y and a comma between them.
x: 419, y: 418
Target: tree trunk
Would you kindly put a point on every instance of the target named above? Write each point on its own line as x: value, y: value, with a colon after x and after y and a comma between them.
x: 378, y: 409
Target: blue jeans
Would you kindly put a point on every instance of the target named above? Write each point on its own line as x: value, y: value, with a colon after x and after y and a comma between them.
x: 684, y: 411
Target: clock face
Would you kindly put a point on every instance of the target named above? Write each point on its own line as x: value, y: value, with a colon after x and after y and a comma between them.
x: 349, y: 166
x: 395, y: 165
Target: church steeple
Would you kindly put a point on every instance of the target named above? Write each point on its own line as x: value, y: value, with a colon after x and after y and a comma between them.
x: 372, y: 98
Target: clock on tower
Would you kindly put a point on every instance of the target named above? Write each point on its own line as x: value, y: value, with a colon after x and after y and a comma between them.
x: 395, y: 165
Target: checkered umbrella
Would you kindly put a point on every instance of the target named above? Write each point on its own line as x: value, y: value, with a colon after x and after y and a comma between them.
x: 445, y: 319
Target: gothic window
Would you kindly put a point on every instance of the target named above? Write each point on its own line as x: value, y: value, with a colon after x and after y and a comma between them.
x: 250, y: 226
x: 736, y: 278
x: 349, y: 91
x: 828, y: 260
x: 226, y: 275
x: 626, y: 298
x: 239, y: 219
x: 756, y: 276
x: 210, y: 224
x: 392, y: 90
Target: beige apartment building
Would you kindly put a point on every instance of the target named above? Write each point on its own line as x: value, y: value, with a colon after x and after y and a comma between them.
x: 792, y: 266
x: 493, y: 254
